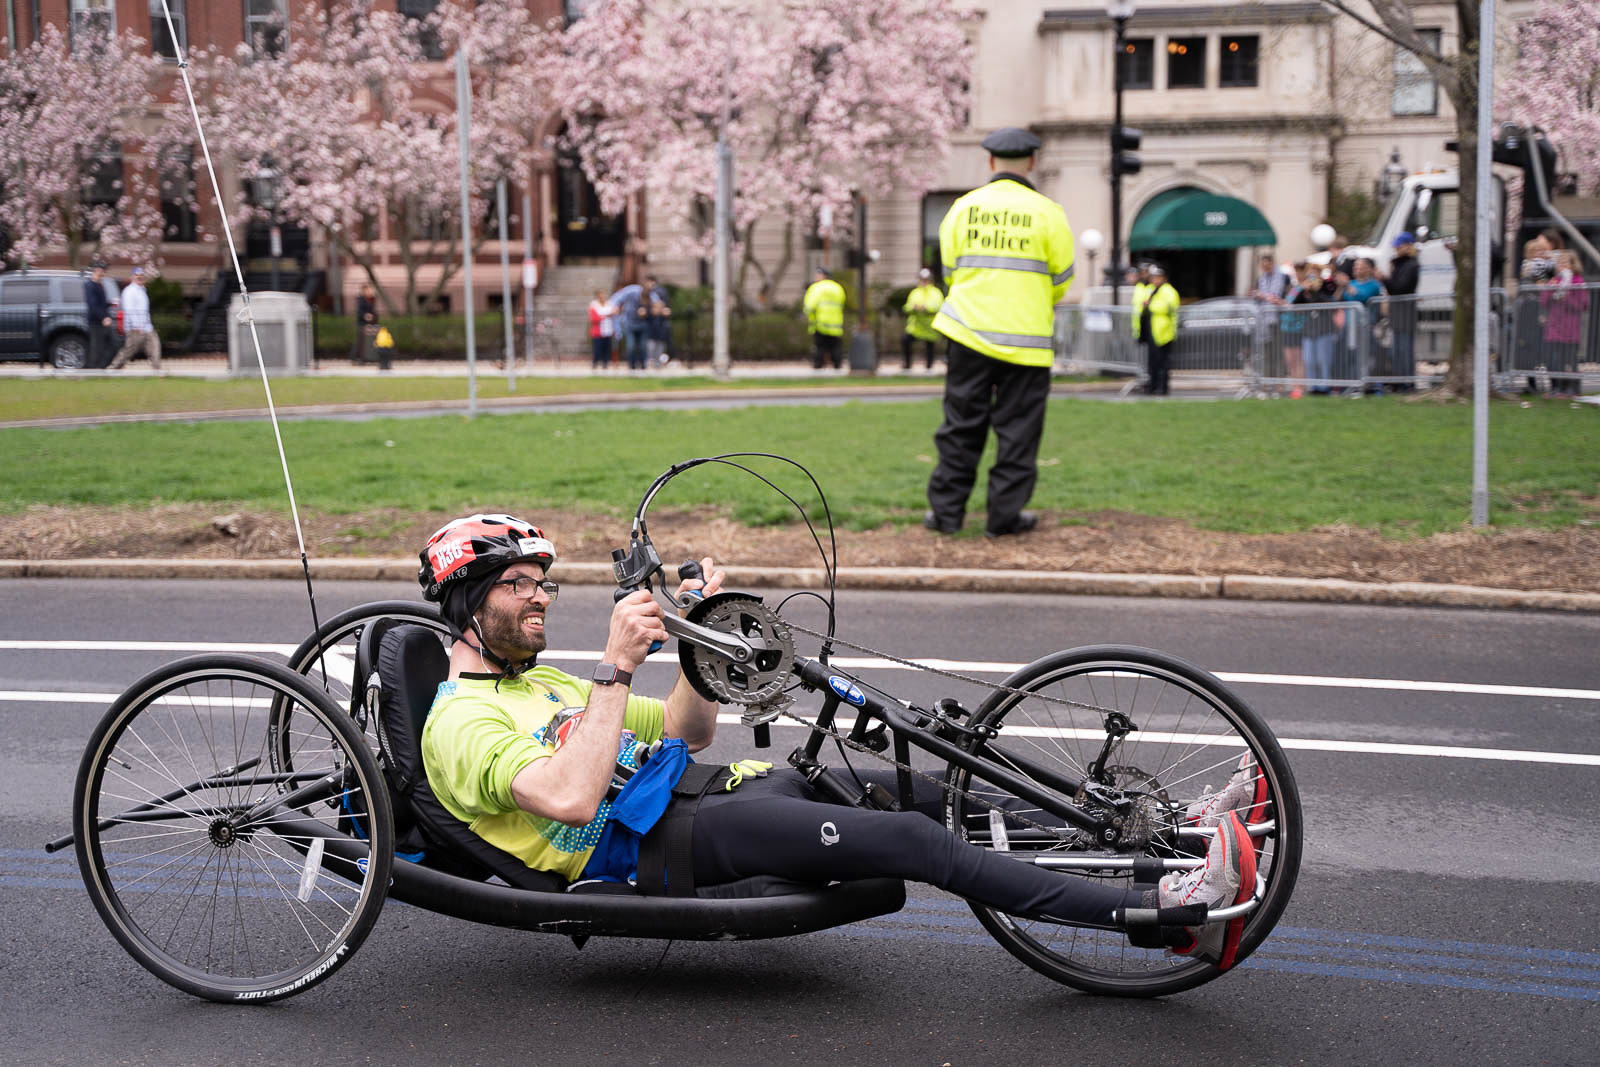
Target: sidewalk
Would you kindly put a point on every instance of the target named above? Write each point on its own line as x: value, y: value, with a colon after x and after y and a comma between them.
x: 905, y: 579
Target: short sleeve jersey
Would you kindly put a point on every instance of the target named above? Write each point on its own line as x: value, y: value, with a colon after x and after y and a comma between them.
x: 479, y: 735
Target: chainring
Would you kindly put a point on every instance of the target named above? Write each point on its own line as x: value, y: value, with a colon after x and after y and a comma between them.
x: 760, y: 681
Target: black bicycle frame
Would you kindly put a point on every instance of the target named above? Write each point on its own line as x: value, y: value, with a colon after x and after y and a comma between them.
x: 842, y: 689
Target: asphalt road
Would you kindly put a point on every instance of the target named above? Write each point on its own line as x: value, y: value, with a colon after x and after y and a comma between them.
x: 1447, y: 912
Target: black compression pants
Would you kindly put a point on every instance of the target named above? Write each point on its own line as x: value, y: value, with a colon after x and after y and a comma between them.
x: 776, y: 826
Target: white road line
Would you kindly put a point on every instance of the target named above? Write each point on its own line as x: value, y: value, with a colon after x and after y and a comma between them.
x: 869, y: 663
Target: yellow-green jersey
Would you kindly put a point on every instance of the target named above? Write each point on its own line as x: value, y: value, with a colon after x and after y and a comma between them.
x: 1008, y: 255
x: 920, y: 308
x: 824, y: 307
x: 481, y: 732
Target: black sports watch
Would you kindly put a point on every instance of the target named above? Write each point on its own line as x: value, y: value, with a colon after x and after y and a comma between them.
x: 611, y: 674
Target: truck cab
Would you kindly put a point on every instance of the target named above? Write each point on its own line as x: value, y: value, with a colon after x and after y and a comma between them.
x: 1428, y: 206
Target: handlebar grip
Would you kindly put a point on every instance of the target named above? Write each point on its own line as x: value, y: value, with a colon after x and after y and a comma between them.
x: 655, y: 646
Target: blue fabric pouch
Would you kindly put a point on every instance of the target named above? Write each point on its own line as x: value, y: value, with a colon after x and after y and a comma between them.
x: 635, y: 810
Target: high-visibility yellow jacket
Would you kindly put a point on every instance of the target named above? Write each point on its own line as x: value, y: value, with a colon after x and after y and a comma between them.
x: 1163, y: 302
x: 920, y: 308
x: 1007, y: 252
x: 824, y: 307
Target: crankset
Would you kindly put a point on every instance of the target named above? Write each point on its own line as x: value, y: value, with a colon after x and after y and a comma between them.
x: 756, y: 681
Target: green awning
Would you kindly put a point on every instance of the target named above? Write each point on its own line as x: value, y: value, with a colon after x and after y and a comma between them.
x: 1193, y: 218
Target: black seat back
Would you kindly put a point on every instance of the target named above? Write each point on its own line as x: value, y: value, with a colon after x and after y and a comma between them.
x: 400, y: 665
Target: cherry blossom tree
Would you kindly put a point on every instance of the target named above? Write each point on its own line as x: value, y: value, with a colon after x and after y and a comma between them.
x: 1555, y: 84
x: 68, y: 123
x: 817, y: 98
x: 344, y: 119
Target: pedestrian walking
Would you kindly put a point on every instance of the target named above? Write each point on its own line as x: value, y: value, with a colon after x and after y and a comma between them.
x: 602, y: 328
x: 1008, y: 258
x: 102, y: 325
x: 363, y: 348
x: 139, y: 331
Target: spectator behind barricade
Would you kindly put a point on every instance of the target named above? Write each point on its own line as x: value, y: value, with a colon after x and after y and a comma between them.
x: 1401, y: 282
x: 1538, y: 265
x: 1273, y: 284
x: 1339, y: 258
x: 102, y: 326
x: 658, y: 330
x: 1363, y: 289
x: 602, y: 328
x: 1292, y: 325
x: 921, y: 305
x: 1319, y: 332
x: 140, y: 332
x: 1563, y: 304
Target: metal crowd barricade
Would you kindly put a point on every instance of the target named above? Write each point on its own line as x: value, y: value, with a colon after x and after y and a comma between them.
x: 1096, y: 339
x: 1551, y: 338
x: 1411, y: 338
x: 1217, y: 343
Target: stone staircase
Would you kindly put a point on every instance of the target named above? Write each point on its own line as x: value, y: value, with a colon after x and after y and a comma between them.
x: 561, y: 308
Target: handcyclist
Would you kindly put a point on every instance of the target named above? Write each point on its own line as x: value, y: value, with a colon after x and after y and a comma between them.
x: 525, y: 754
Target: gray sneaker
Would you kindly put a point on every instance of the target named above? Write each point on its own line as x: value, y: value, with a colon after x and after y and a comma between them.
x: 1245, y: 793
x: 1227, y: 877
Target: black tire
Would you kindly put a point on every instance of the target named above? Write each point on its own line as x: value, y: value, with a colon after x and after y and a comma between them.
x: 1191, y: 732
x: 202, y: 858
x: 68, y: 351
x: 328, y: 657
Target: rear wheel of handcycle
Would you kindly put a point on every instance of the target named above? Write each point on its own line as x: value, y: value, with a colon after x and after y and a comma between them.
x: 328, y: 657
x: 1189, y: 731
x: 219, y: 865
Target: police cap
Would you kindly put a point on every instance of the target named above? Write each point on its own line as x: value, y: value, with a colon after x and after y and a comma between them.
x: 1011, y: 143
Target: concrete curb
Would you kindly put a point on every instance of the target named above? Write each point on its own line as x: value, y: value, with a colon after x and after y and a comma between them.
x: 1227, y: 587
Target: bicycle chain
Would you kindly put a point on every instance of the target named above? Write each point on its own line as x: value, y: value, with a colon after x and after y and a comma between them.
x: 1071, y: 835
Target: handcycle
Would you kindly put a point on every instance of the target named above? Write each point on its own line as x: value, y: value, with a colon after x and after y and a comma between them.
x: 239, y: 824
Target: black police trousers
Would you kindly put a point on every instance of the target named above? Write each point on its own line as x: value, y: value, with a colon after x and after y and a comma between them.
x: 980, y: 392
x: 776, y: 826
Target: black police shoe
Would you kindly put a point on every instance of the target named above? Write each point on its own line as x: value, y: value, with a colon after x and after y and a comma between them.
x: 1025, y: 521
x: 931, y: 521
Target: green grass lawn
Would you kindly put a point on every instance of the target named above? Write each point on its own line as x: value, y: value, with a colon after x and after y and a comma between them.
x: 59, y: 397
x: 1251, y: 466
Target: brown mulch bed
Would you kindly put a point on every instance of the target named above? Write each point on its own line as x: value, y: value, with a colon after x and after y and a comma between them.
x: 1564, y: 560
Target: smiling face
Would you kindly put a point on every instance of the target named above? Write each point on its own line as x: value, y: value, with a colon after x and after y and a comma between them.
x: 513, y: 628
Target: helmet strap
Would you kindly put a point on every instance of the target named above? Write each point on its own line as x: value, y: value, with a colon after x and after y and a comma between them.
x: 506, y: 668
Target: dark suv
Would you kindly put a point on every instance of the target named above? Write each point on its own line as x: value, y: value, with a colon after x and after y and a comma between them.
x: 43, y: 317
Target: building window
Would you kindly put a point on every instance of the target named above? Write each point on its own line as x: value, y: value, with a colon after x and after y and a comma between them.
x: 1186, y: 63
x: 266, y: 26
x: 1240, y: 62
x: 575, y: 9
x: 1415, y: 91
x: 1139, y: 63
x: 177, y: 194
x: 935, y: 206
x: 427, y: 32
x: 169, y: 44
x: 94, y: 22
x: 101, y: 187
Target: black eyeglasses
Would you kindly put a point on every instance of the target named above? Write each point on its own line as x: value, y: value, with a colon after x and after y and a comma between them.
x: 528, y: 588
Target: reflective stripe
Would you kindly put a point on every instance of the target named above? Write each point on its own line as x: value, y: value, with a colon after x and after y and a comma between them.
x: 1032, y: 266
x: 1064, y: 276
x: 1016, y: 340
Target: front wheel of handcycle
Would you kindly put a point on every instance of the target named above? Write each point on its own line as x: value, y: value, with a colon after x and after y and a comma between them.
x: 1178, y: 738
x: 224, y: 869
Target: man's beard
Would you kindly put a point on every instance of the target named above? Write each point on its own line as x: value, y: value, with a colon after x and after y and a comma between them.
x: 502, y: 632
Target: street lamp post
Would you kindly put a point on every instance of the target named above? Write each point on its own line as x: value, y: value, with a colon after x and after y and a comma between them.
x: 1120, y: 12
x: 266, y: 195
x: 1092, y: 241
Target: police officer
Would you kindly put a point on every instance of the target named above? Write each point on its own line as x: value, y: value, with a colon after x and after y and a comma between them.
x: 1155, y: 325
x: 824, y: 308
x: 1007, y: 253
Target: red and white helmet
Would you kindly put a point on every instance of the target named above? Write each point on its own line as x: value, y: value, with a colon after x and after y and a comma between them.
x: 478, y: 545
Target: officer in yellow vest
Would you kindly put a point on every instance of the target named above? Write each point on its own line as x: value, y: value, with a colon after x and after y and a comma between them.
x: 824, y: 308
x: 920, y: 308
x: 1007, y: 253
x: 1155, y: 325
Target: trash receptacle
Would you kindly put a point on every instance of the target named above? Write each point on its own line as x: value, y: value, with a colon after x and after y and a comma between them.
x: 863, y: 352
x: 283, y: 324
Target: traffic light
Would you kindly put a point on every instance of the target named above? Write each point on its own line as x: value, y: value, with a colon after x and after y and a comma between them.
x: 1124, y: 150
